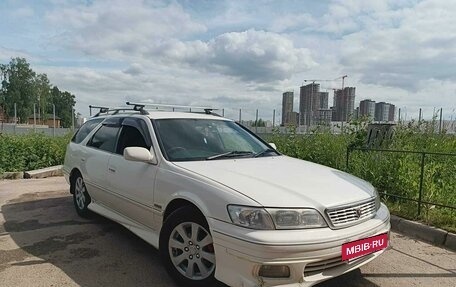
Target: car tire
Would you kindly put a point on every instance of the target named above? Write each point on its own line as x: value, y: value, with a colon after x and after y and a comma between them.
x: 81, y: 197
x: 186, y: 248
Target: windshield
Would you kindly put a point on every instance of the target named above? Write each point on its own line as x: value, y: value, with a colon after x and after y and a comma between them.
x: 205, y: 139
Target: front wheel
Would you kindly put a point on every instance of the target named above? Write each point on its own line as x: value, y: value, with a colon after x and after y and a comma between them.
x: 187, y: 248
x: 81, y: 197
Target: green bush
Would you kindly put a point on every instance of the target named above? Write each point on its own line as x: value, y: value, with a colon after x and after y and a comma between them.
x: 31, y: 151
x: 393, y: 173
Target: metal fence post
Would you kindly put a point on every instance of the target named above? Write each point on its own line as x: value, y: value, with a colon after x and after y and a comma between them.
x: 15, y: 118
x: 256, y: 122
x: 273, y: 118
x: 34, y: 118
x: 53, y: 111
x: 420, y: 194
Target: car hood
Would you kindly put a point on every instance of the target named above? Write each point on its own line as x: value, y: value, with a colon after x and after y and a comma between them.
x: 281, y: 181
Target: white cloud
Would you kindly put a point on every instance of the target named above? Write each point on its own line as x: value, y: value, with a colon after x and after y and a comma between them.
x: 239, y: 53
x: 120, y: 28
x: 292, y: 22
x: 419, y: 47
x: 23, y: 12
x: 251, y: 55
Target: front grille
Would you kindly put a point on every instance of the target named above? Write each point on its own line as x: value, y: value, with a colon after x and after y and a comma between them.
x: 348, y: 215
x: 323, y: 265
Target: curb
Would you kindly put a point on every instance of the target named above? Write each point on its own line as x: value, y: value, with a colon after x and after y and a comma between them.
x: 424, y: 232
x: 44, y: 172
x: 12, y: 175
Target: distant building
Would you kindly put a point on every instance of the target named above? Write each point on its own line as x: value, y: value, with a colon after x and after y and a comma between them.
x: 356, y: 113
x: 311, y: 101
x: 382, y: 111
x: 287, y: 107
x: 294, y: 119
x: 344, y: 104
x: 324, y: 100
x: 324, y: 117
x: 367, y: 109
x: 47, y: 120
x: 392, y: 113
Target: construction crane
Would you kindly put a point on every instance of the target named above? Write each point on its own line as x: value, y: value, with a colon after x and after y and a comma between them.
x: 338, y: 78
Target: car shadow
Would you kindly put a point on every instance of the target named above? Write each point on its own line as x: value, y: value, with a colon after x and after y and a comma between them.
x: 94, y: 252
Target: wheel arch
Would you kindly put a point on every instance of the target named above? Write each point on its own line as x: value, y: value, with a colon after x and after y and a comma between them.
x: 177, y: 203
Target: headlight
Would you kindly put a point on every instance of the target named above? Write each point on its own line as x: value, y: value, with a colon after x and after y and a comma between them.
x: 296, y: 218
x: 377, y: 200
x: 250, y: 217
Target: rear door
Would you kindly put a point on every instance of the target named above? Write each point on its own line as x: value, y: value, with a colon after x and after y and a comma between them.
x: 95, y: 159
x: 133, y: 182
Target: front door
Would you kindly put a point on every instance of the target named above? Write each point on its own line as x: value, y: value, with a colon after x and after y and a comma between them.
x: 133, y: 182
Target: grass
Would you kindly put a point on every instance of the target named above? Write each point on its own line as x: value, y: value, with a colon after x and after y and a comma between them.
x: 393, y: 173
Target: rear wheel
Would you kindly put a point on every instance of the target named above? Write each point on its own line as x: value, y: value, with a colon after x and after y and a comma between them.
x: 81, y: 197
x: 187, y: 249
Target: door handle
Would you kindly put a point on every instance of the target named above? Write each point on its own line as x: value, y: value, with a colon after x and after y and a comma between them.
x: 111, y: 169
x: 83, y: 159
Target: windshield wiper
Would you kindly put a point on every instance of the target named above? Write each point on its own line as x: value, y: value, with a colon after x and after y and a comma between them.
x: 233, y: 153
x: 262, y: 153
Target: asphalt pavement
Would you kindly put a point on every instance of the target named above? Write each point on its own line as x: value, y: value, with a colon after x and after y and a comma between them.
x: 44, y: 243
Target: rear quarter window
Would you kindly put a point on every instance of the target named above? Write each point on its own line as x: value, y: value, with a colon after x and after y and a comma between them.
x: 85, y: 129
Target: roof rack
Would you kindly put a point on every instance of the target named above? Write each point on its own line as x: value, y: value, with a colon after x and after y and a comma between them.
x: 102, y: 110
x: 114, y: 111
x: 207, y: 110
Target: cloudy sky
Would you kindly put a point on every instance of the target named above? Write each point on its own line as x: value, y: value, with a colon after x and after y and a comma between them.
x: 237, y: 54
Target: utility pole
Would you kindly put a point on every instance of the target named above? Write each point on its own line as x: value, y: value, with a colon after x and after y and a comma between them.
x: 240, y: 115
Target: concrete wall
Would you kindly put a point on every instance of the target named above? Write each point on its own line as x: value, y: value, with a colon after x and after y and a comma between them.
x: 26, y: 129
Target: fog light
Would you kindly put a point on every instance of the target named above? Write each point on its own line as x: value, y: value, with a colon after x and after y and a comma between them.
x: 274, y: 271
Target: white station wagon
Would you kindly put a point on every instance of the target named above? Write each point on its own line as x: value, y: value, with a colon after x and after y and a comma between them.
x: 220, y: 203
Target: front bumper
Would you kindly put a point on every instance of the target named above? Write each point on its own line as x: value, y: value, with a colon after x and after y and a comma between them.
x: 312, y: 255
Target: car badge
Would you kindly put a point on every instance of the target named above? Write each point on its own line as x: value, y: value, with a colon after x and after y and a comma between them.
x: 358, y: 213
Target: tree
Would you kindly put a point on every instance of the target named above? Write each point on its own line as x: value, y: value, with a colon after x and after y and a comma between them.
x: 21, y: 85
x: 18, y: 87
x: 259, y: 123
x: 43, y: 94
x: 64, y: 103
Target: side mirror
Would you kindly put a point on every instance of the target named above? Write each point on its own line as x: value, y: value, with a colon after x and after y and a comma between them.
x: 140, y: 154
x: 273, y: 146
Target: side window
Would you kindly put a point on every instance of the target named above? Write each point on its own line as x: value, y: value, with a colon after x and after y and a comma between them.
x: 85, y: 129
x: 130, y: 136
x: 105, y: 138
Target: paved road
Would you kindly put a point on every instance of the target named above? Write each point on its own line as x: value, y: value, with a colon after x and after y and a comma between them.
x: 44, y: 243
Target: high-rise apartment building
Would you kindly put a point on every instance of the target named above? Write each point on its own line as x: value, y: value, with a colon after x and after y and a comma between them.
x: 324, y: 100
x: 344, y: 104
x: 382, y: 111
x: 287, y: 108
x: 309, y: 103
x: 392, y: 113
x: 367, y: 109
